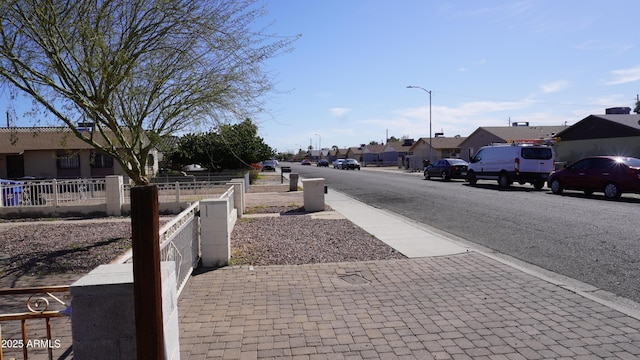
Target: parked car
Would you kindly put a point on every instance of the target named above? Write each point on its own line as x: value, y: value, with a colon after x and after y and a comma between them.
x: 323, y: 163
x: 522, y: 162
x: 447, y: 169
x: 269, y: 165
x: 306, y: 162
x: 351, y: 164
x: 338, y: 164
x: 612, y: 175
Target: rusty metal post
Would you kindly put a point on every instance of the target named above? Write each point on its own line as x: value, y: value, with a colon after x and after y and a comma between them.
x: 147, y: 286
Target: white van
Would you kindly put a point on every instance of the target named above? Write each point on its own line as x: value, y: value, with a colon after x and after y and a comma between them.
x: 512, y: 162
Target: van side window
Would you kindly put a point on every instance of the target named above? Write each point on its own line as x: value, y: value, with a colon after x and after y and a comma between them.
x: 536, y: 153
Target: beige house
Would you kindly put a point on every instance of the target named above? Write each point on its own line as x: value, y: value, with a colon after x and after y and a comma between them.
x: 441, y: 147
x: 55, y: 152
x: 608, y: 134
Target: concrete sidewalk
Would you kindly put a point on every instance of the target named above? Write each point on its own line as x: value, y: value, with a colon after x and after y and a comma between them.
x: 447, y: 301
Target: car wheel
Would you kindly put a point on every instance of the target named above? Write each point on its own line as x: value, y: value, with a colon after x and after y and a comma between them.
x: 471, y: 178
x: 556, y: 186
x: 445, y: 176
x: 612, y: 191
x: 538, y: 184
x: 503, y: 180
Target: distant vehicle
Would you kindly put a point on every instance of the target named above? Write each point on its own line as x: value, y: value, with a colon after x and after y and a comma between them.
x: 351, y: 164
x: 323, y: 163
x: 269, y: 165
x: 447, y: 169
x: 522, y: 162
x: 306, y: 162
x: 338, y: 164
x: 611, y: 175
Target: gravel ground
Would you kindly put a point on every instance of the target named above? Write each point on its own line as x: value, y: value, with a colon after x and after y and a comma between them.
x: 77, y: 246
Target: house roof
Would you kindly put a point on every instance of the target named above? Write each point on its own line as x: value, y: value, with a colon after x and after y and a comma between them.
x: 355, y: 150
x: 398, y: 146
x: 440, y: 142
x: 519, y: 132
x: 15, y: 140
x: 373, y: 149
x: 603, y: 126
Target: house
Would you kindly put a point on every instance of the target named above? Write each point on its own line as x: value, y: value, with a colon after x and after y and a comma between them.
x: 614, y: 133
x: 395, y: 152
x: 55, y: 152
x: 501, y: 134
x: 355, y: 153
x: 371, y: 155
x: 441, y: 147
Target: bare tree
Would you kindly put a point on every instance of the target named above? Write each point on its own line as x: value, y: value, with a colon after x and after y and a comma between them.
x: 137, y: 70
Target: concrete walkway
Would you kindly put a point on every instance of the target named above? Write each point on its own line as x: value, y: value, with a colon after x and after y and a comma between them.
x: 447, y: 301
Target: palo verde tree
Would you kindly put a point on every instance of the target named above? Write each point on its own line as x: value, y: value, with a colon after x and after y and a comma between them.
x: 137, y: 70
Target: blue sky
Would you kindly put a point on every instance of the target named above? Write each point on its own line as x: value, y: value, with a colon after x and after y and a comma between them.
x: 485, y: 62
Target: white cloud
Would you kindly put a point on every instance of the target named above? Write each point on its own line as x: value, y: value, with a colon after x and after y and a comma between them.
x: 624, y: 76
x: 554, y: 86
x: 339, y: 112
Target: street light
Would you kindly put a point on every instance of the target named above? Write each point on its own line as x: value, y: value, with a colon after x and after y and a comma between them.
x: 428, y: 91
x: 320, y: 140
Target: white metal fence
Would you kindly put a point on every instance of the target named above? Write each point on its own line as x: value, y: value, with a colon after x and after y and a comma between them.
x: 52, y: 192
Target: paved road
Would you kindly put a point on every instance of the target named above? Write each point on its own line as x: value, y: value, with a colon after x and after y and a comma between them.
x: 586, y: 238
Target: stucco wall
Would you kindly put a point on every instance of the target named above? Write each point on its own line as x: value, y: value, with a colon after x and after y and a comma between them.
x: 569, y: 151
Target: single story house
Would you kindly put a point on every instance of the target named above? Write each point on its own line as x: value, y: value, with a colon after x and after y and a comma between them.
x: 395, y: 152
x: 441, y: 147
x: 487, y: 135
x: 371, y: 155
x: 55, y: 152
x: 355, y: 153
x: 608, y: 134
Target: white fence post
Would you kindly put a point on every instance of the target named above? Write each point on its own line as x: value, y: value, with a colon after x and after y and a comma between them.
x: 115, y: 194
x: 54, y: 185
x: 215, y: 232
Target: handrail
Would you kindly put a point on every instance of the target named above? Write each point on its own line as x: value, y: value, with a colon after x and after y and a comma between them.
x: 35, y: 312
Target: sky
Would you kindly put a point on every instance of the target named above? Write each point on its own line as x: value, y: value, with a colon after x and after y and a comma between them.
x: 486, y: 63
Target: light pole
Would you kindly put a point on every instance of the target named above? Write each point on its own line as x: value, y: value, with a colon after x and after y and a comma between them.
x: 320, y: 142
x: 428, y: 91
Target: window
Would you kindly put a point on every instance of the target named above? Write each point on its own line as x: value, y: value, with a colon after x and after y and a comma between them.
x: 68, y: 160
x: 536, y: 153
x: 101, y: 161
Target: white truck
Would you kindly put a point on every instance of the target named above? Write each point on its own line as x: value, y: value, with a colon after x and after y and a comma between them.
x: 522, y: 162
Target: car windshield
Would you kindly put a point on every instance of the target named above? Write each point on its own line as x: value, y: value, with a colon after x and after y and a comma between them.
x: 629, y: 161
x: 457, y: 162
x: 269, y: 162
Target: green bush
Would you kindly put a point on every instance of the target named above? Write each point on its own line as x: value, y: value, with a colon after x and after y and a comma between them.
x: 253, y: 176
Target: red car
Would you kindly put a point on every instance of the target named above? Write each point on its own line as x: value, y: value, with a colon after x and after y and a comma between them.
x: 612, y: 175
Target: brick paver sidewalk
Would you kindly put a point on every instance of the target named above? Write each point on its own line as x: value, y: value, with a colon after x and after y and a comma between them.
x: 457, y: 307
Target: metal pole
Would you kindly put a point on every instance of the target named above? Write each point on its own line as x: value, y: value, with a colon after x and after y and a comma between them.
x: 430, y: 137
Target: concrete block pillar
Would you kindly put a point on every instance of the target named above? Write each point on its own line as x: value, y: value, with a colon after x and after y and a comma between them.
x: 115, y: 194
x: 215, y: 232
x: 238, y: 195
x: 293, y: 181
x: 313, y: 190
x: 103, y: 315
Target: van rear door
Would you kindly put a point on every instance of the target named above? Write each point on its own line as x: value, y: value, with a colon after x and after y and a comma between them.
x: 537, y: 159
